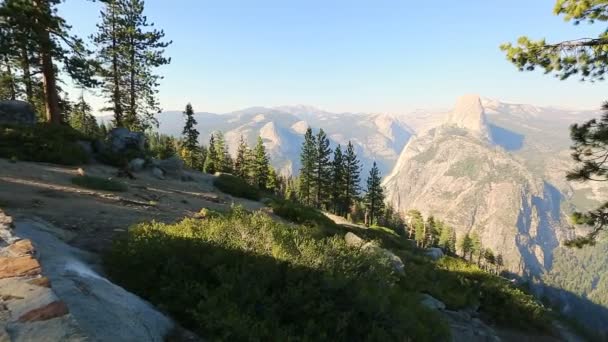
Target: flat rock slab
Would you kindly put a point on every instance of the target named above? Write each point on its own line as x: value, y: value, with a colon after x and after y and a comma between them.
x: 102, y: 310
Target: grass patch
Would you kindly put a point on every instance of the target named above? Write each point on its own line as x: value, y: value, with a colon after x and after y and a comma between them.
x: 243, y: 276
x: 42, y: 143
x: 236, y: 186
x: 98, y: 183
x: 303, y: 215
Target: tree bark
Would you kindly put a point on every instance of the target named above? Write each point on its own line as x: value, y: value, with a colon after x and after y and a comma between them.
x: 118, y: 114
x: 9, y: 71
x: 27, y: 77
x: 49, y: 82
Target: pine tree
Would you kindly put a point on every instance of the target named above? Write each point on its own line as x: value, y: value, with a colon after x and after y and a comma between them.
x: 352, y: 172
x: 82, y: 119
x: 587, y: 57
x: 431, y: 230
x: 273, y: 181
x: 261, y: 165
x: 447, y: 239
x: 190, y: 148
x: 129, y: 50
x: 240, y: 169
x: 374, y: 197
x: 476, y: 247
x: 322, y: 169
x: 211, y: 159
x: 308, y: 156
x: 466, y: 246
x: 111, y: 40
x: 223, y: 160
x: 338, y: 182
x: 40, y: 30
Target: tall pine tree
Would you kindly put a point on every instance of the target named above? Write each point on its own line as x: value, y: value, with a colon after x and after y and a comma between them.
x: 240, y: 161
x: 211, y: 160
x: 190, y: 148
x: 308, y: 156
x: 352, y: 172
x: 129, y: 50
x: 322, y: 169
x: 374, y: 197
x: 338, y: 182
x: 261, y: 165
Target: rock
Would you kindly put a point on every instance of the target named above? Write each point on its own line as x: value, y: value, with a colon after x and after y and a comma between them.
x: 80, y: 171
x: 434, y: 253
x: 49, y: 311
x: 17, y: 113
x: 432, y: 302
x: 463, y: 328
x: 40, y: 281
x: 137, y: 164
x: 121, y: 140
x: 18, y: 267
x: 172, y: 166
x: 353, y: 240
x: 158, y: 173
x: 103, y: 310
x: 395, y: 261
x: 21, y: 248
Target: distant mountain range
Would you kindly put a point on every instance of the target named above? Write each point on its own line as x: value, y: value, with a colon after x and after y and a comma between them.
x: 377, y: 137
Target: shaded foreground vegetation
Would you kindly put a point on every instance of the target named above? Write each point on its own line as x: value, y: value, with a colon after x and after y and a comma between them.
x: 42, y: 143
x: 241, y: 275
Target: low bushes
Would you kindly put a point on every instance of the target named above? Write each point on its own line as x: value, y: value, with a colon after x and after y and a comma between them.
x: 236, y: 186
x: 98, y: 183
x: 301, y: 214
x: 42, y: 143
x: 241, y: 276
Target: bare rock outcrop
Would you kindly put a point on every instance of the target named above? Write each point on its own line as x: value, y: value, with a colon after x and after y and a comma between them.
x: 454, y: 173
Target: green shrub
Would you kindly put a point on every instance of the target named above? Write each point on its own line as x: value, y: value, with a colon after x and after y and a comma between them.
x: 460, y: 284
x: 240, y: 276
x: 98, y: 183
x: 236, y: 186
x: 301, y: 214
x: 42, y: 143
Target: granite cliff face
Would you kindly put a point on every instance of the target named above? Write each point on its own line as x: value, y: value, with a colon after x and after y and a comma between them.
x: 457, y: 173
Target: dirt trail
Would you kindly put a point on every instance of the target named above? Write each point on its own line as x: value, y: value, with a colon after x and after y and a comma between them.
x: 89, y: 219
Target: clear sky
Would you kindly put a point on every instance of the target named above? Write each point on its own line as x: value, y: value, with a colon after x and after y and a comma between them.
x: 350, y: 55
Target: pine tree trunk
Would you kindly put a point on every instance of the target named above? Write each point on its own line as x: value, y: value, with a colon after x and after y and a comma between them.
x: 27, y: 76
x: 115, y: 73
x: 9, y: 71
x: 49, y: 82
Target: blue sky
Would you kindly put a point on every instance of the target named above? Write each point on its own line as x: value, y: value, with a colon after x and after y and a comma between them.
x: 360, y: 56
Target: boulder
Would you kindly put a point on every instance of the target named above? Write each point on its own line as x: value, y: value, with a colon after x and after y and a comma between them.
x: 121, y: 140
x: 434, y: 253
x: 395, y: 261
x: 158, y: 173
x: 172, y: 166
x: 353, y: 240
x: 137, y: 164
x: 432, y: 303
x: 17, y: 113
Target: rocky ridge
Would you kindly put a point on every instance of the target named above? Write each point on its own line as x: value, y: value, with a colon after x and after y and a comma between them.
x: 456, y: 173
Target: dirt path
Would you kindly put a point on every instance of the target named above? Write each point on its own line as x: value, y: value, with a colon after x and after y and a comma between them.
x: 89, y: 219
